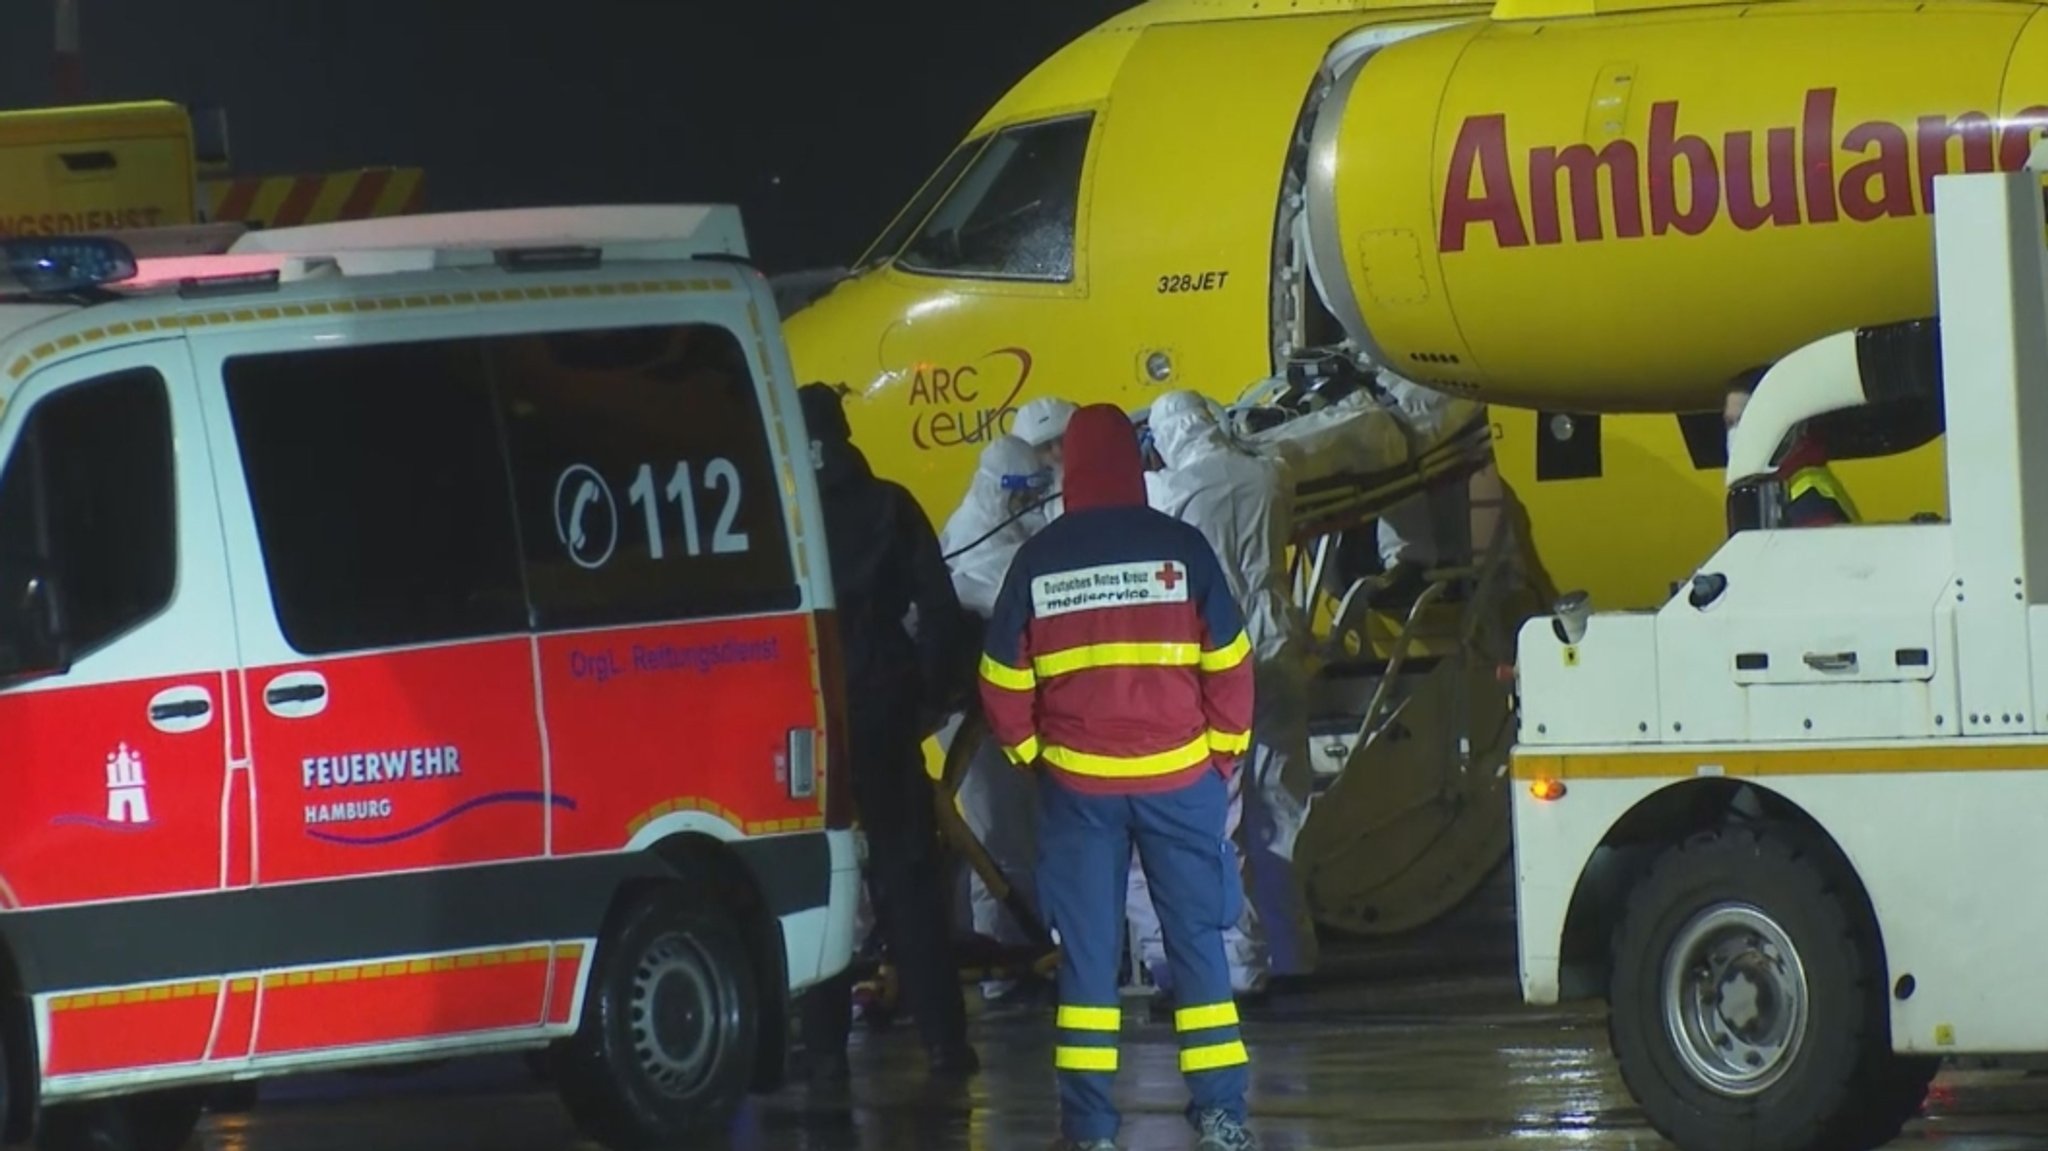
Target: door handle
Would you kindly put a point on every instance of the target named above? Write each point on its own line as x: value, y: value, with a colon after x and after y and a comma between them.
x: 182, y: 709
x: 296, y: 693
x: 1831, y: 661
x: 178, y: 710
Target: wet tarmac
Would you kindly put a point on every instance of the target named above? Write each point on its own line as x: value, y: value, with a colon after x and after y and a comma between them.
x: 1423, y: 1045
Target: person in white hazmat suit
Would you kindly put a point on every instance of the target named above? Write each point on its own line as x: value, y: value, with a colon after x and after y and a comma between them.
x: 1042, y: 423
x: 994, y: 520
x: 997, y: 801
x: 1243, y: 504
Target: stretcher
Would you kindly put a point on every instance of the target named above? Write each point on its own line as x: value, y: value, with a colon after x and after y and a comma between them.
x: 876, y: 993
x: 1411, y: 716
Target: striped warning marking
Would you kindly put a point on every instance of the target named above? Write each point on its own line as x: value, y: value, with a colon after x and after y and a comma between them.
x: 342, y: 973
x: 87, y: 1000
x: 393, y: 303
x: 713, y: 808
x: 289, y: 201
x: 353, y: 972
x: 411, y: 998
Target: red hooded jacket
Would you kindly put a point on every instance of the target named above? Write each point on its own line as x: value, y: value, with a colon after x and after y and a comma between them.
x: 1115, y: 655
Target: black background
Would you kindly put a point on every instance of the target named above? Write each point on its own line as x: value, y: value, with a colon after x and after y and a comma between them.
x: 818, y: 118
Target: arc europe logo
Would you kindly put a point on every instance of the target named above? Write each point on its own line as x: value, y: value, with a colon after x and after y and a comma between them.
x: 969, y: 404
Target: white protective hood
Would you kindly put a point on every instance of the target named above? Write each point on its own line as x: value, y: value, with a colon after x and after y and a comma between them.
x: 979, y: 570
x: 1242, y: 503
x: 1043, y: 420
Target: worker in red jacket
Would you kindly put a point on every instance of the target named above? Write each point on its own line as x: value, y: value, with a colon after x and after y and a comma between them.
x: 1117, y: 667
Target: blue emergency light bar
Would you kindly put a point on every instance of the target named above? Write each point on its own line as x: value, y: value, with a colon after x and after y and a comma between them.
x: 52, y: 266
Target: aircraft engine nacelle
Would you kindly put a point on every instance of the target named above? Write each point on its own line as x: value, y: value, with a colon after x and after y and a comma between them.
x: 1621, y: 213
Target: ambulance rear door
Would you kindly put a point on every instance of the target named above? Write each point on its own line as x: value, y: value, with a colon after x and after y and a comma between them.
x: 117, y: 710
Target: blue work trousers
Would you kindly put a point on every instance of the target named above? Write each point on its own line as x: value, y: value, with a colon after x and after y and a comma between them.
x: 1085, y: 844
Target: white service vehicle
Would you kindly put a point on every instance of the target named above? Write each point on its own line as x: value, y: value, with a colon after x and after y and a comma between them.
x: 1785, y: 824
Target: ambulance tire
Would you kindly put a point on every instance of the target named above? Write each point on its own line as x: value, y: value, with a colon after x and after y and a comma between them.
x: 1840, y: 1087
x: 671, y: 1024
x: 151, y: 1121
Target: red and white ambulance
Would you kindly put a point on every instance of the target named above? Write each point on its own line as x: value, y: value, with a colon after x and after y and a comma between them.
x: 416, y: 639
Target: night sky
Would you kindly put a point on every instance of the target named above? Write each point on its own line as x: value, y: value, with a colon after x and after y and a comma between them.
x: 818, y: 118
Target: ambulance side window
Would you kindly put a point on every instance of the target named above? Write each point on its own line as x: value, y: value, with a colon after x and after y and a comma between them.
x: 645, y: 485
x: 380, y: 494
x: 88, y: 503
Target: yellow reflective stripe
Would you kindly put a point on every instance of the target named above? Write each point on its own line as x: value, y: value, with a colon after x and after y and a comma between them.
x: 1073, y: 659
x: 1231, y: 1054
x: 1025, y: 753
x: 1205, y: 1018
x: 1229, y: 655
x: 1091, y: 1018
x: 1192, y: 754
x: 1820, y: 479
x: 1088, y: 1058
x: 1006, y: 677
x: 1227, y: 743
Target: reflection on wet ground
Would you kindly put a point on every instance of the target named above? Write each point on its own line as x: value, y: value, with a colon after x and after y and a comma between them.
x: 1424, y: 1045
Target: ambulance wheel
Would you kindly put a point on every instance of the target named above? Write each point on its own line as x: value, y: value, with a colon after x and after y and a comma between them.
x: 152, y: 1121
x: 670, y: 1027
x: 1747, y: 1008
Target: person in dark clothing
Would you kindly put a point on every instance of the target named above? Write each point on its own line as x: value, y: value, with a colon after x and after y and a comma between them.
x: 885, y: 564
x: 1813, y: 496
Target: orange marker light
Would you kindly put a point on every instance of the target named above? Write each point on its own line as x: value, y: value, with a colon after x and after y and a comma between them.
x: 1547, y: 789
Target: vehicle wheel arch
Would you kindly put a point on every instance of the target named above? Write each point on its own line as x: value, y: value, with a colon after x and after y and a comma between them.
x: 712, y: 870
x: 1663, y: 820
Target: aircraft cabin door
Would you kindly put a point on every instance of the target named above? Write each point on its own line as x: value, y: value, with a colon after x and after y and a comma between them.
x: 1186, y: 190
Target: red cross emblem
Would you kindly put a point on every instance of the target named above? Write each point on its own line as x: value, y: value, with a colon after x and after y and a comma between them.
x: 1169, y: 575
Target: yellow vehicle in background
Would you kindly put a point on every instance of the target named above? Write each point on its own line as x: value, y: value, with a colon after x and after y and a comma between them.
x: 155, y: 164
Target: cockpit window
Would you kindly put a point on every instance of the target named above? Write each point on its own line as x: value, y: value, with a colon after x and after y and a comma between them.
x: 1011, y: 216
x: 920, y: 205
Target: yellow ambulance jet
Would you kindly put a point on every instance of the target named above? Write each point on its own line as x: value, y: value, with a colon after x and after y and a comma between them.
x: 1588, y: 214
